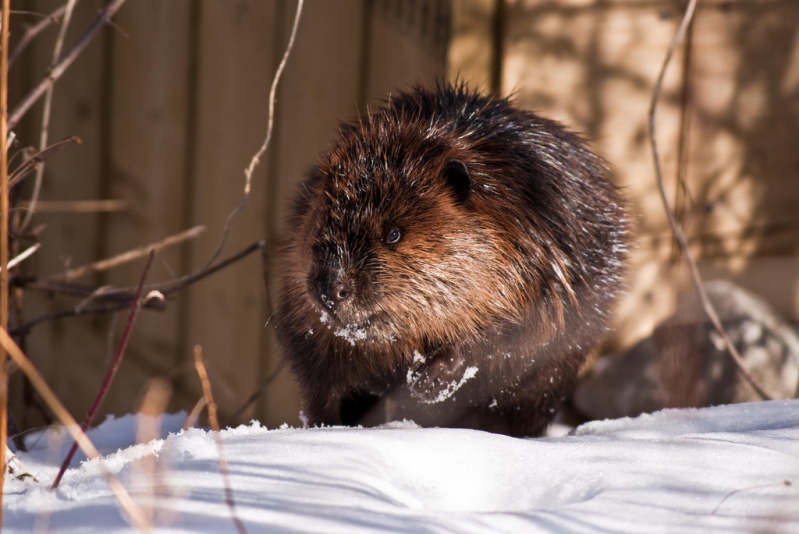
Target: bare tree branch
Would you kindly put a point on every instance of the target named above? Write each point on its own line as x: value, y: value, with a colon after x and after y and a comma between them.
x: 272, y: 95
x: 118, y: 299
x: 130, y: 255
x: 79, y: 206
x: 48, y: 106
x: 32, y: 32
x: 56, y: 72
x: 675, y: 225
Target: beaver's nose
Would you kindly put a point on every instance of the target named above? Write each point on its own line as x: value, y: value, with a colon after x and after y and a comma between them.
x: 333, y: 288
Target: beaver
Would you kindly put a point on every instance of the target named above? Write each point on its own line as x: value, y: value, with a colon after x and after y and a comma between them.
x: 453, y: 259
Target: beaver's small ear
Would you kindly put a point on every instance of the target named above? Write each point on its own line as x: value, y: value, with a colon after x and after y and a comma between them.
x: 457, y: 177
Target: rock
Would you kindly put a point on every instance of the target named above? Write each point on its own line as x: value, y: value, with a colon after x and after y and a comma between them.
x: 684, y: 363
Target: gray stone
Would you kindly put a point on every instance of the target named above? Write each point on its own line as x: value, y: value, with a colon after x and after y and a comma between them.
x: 684, y: 363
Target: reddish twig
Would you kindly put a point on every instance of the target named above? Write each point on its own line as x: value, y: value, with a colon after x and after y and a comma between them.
x: 214, y: 420
x: 112, y: 371
x: 710, y: 310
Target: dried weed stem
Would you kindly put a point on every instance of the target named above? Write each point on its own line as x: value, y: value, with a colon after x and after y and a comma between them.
x: 214, y: 420
x: 6, y: 10
x: 679, y: 234
x: 74, y: 429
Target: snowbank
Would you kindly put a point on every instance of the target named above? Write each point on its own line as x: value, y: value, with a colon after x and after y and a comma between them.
x: 725, y: 469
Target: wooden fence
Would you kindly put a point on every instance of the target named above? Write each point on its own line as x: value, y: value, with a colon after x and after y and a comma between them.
x: 171, y: 104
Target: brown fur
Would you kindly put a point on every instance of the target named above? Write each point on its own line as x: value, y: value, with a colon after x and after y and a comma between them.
x: 510, y: 252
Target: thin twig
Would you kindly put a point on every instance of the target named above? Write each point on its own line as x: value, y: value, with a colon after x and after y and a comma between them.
x: 74, y: 289
x: 32, y: 32
x: 112, y: 370
x: 32, y: 163
x: 675, y: 226
x: 167, y: 288
x: 272, y: 96
x: 214, y: 420
x: 56, y: 72
x: 48, y: 106
x: 130, y: 255
x: 256, y: 158
x: 786, y: 483
x: 71, y: 426
x: 4, y: 203
x: 171, y: 286
x: 194, y: 415
x: 100, y: 309
x: 79, y: 206
x: 4, y: 21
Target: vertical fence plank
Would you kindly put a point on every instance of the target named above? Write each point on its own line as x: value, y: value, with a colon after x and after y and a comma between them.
x: 226, y: 312
x: 146, y: 167
x: 407, y: 45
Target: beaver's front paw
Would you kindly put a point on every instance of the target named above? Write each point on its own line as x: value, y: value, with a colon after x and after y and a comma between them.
x: 436, y: 379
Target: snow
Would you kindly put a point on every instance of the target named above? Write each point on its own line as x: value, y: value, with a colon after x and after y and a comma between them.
x: 724, y: 469
x: 447, y: 389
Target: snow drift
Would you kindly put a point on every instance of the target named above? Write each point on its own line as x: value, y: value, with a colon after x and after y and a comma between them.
x: 725, y: 469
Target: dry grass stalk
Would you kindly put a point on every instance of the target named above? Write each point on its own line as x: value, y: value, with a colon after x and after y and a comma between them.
x: 72, y: 426
x: 148, y: 428
x: 16, y: 468
x: 710, y: 310
x: 214, y: 420
x: 6, y: 10
x: 194, y: 415
x: 78, y: 206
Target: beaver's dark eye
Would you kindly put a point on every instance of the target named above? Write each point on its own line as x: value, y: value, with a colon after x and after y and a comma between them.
x: 393, y: 236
